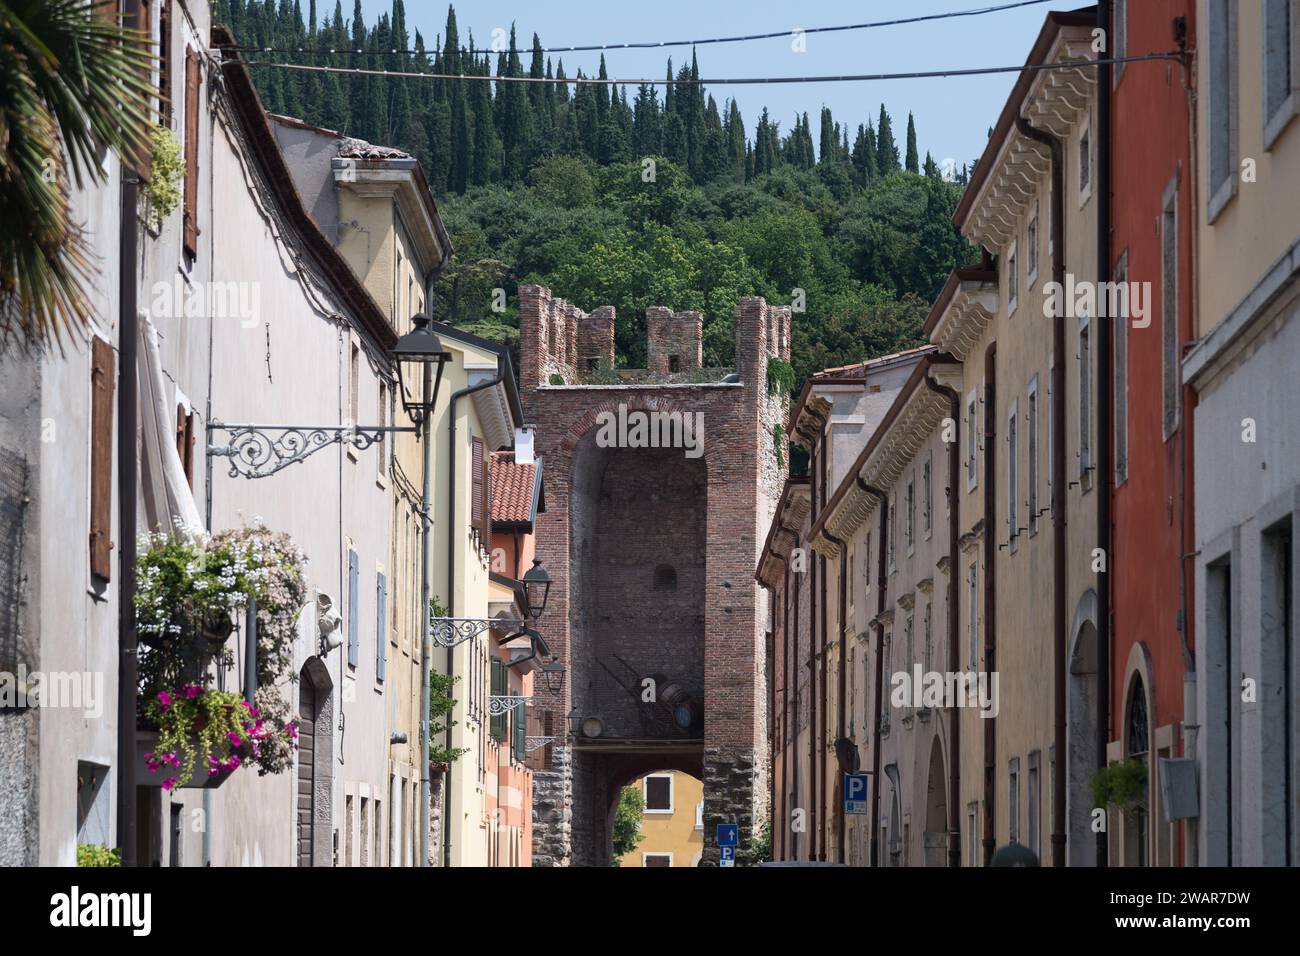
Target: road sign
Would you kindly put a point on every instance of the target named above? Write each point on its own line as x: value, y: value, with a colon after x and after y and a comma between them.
x: 728, y: 856
x: 728, y: 834
x: 856, y: 790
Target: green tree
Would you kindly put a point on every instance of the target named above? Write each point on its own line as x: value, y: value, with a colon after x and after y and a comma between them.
x: 627, y: 821
x: 913, y: 160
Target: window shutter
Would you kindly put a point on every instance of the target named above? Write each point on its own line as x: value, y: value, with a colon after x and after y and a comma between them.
x: 485, y: 529
x: 518, y: 730
x: 381, y: 628
x: 191, y: 198
x: 476, y: 481
x: 101, y: 458
x: 185, y: 441
x: 499, y: 689
x: 165, y: 63
x: 354, y: 635
x: 137, y: 18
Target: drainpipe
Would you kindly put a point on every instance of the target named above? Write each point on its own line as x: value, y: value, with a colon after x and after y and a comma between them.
x: 842, y: 689
x: 127, y: 482
x: 451, y: 581
x: 954, y: 724
x: 1060, y: 623
x: 814, y: 830
x: 425, y: 436
x: 882, y: 579
x: 990, y: 590
x: 1106, y: 373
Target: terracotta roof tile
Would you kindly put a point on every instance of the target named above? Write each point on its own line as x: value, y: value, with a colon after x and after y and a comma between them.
x: 512, y: 488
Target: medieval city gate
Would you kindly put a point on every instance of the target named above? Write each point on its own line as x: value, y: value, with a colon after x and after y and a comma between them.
x: 654, y: 607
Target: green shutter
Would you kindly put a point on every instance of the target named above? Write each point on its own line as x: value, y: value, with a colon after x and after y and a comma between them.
x: 518, y: 725
x: 500, y: 687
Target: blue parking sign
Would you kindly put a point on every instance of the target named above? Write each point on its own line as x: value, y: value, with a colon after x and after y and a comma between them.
x: 726, y: 856
x: 856, y: 791
x: 728, y: 834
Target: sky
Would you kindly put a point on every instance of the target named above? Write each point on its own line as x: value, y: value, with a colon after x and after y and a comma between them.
x: 953, y: 115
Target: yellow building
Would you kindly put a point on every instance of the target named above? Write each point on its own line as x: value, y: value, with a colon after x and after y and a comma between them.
x: 672, y: 828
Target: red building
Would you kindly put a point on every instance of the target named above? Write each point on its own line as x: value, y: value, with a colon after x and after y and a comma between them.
x: 1152, y: 214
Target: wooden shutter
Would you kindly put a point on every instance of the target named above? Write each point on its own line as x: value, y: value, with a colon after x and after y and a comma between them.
x: 191, y: 197
x: 381, y: 628
x: 518, y: 732
x: 165, y: 63
x: 101, y: 457
x: 185, y: 441
x: 485, y: 529
x: 138, y: 19
x: 500, y: 688
x: 354, y: 632
x: 476, y: 484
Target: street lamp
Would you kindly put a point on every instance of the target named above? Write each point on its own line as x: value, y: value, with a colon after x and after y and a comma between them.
x: 537, y: 583
x: 416, y: 354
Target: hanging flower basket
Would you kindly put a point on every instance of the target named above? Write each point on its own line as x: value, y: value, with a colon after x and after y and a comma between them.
x: 204, y: 735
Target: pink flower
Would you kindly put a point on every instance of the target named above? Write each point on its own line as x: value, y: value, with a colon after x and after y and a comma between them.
x: 234, y: 738
x: 169, y: 783
x: 193, y: 691
x: 165, y: 699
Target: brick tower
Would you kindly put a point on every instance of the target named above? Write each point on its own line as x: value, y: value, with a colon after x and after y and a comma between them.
x: 651, y: 534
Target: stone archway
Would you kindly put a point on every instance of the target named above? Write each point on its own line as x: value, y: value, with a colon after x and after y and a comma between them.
x: 315, y: 795
x: 936, y: 809
x: 1081, y: 734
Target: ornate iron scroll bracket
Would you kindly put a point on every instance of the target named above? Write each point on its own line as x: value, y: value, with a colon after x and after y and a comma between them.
x: 258, y: 451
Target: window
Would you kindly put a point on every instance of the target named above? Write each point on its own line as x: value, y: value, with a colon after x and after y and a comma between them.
x: 1169, y: 308
x: 1085, y: 399
x: 659, y: 793
x: 893, y: 531
x: 1221, y: 104
x: 190, y: 196
x: 1120, y: 324
x: 910, y: 519
x: 381, y: 626
x: 1013, y: 798
x: 927, y: 490
x: 972, y: 442
x: 973, y: 603
x: 1031, y: 440
x: 674, y: 364
x: 928, y: 637
x: 354, y: 609
x: 1277, y: 658
x: 665, y: 578
x: 382, y: 444
x: 365, y: 831
x: 1085, y: 161
x: 1013, y: 477
x: 699, y: 815
x: 1033, y: 801
x: 347, y: 830
x: 185, y: 440
x: 1031, y: 248
x: 94, y: 803
x: 165, y: 64
x: 354, y: 388
x: 481, y: 492
x: 1051, y: 433
x: 1280, y: 67
x: 886, y: 671
x: 1013, y: 280
x: 102, y: 382
x: 1135, y: 818
x: 972, y: 833
x: 500, y: 688
x: 866, y: 565
x: 656, y: 859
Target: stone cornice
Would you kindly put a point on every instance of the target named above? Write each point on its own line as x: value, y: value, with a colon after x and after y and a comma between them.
x: 926, y: 585
x: 968, y: 541
x: 907, y: 600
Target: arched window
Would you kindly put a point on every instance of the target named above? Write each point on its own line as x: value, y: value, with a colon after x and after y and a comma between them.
x: 1137, y: 719
x: 665, y: 578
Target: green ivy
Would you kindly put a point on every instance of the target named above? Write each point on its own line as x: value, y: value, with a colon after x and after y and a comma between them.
x: 441, y: 704
x: 556, y: 378
x: 96, y: 854
x: 780, y: 376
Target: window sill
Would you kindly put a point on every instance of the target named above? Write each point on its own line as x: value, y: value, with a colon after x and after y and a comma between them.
x: 1222, y: 196
x: 1276, y: 124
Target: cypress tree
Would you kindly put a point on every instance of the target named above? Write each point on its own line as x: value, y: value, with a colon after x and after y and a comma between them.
x: 912, y: 161
x: 886, y: 150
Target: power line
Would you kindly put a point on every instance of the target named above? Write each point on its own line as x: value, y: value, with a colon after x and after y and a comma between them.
x: 656, y: 44
x: 719, y: 81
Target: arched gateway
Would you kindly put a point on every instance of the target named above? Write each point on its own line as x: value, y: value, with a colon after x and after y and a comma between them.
x: 658, y: 481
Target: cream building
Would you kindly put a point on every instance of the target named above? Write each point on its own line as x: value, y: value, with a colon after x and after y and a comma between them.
x: 1247, y: 470
x: 886, y: 532
x: 1027, y: 485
